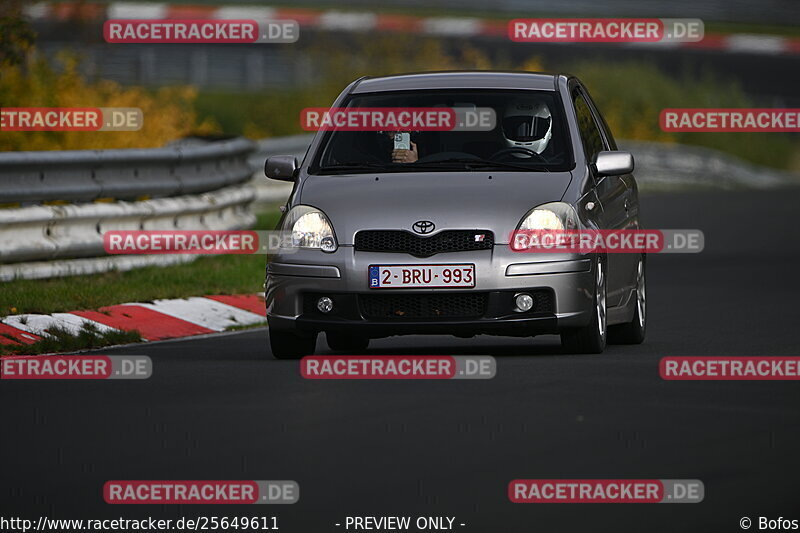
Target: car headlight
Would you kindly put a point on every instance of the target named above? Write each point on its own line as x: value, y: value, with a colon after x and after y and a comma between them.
x: 552, y: 216
x: 308, y: 227
x: 555, y: 216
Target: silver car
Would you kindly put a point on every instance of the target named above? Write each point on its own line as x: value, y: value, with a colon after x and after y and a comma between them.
x: 415, y: 240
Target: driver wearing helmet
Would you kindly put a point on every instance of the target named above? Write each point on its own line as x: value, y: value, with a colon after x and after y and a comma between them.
x: 527, y: 127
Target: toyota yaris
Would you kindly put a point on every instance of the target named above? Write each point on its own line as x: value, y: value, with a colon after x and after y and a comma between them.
x: 397, y: 233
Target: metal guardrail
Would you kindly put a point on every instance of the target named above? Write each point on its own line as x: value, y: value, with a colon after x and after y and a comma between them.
x: 672, y: 166
x: 189, y: 167
x: 66, y: 231
x: 52, y: 223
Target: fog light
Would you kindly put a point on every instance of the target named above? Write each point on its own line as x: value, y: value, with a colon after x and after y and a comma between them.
x: 327, y: 244
x: 524, y: 302
x: 325, y: 304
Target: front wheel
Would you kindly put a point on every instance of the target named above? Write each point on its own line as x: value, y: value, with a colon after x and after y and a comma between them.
x: 288, y: 345
x: 591, y: 338
x: 634, y: 331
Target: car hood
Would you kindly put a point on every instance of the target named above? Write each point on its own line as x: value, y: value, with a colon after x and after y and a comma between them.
x: 493, y: 201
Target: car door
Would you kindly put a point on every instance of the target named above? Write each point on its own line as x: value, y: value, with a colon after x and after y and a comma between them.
x: 612, y: 193
x: 628, y: 263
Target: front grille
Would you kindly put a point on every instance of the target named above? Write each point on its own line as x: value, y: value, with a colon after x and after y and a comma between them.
x: 400, y: 241
x: 422, y: 306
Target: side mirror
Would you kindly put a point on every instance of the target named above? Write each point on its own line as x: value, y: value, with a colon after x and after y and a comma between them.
x: 281, y: 167
x: 613, y: 163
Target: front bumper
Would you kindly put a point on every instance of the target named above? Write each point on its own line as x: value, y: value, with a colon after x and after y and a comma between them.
x: 562, y: 285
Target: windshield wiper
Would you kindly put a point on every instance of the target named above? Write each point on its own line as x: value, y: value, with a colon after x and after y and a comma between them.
x: 466, y: 163
x: 470, y: 164
x: 354, y: 166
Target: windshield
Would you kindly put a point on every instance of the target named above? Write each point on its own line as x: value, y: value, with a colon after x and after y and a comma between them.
x: 526, y: 133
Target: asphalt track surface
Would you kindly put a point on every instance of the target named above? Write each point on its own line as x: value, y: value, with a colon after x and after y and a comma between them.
x: 220, y: 407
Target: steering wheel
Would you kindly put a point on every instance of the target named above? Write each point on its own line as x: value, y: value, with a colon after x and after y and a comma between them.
x: 518, y: 150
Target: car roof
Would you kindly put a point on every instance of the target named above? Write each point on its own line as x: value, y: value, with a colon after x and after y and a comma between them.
x: 459, y: 80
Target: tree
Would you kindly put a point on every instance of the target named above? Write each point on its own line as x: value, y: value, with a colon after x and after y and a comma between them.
x: 16, y: 34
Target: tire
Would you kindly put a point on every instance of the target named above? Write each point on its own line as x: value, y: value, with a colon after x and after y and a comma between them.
x: 288, y: 345
x: 591, y: 338
x: 634, y: 331
x: 347, y: 343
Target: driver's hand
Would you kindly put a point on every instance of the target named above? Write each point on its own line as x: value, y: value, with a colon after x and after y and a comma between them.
x: 405, y: 156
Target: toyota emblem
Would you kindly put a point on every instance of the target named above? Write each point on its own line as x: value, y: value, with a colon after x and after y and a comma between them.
x: 423, y: 226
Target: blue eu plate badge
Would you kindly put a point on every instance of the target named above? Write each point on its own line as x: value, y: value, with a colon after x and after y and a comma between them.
x: 374, y: 276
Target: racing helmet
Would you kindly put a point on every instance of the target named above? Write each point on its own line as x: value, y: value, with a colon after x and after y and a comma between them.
x: 527, y: 124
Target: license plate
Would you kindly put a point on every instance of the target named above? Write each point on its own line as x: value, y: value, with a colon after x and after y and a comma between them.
x: 411, y: 276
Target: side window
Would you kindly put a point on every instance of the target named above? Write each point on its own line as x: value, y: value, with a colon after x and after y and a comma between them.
x: 610, y: 138
x: 590, y: 133
x: 612, y: 144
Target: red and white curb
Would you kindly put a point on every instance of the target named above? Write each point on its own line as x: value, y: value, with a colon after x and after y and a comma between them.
x: 156, y: 320
x: 332, y: 19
